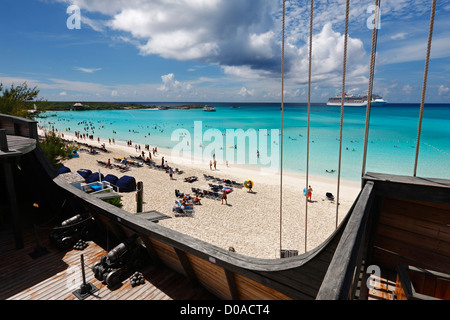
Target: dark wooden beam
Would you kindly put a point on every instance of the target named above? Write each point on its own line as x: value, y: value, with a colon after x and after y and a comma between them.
x: 151, y: 250
x: 232, y: 285
x: 186, y: 264
x: 3, y: 141
x: 14, y: 208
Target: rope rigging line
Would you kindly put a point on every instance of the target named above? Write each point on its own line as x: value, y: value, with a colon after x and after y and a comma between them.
x: 342, y: 108
x: 424, y: 86
x: 282, y: 110
x: 309, y: 114
x: 372, y: 71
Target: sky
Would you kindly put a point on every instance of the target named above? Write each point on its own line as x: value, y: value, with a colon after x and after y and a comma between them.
x: 220, y: 50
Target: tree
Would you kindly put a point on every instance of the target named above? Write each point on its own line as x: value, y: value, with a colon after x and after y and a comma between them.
x: 55, y: 149
x: 16, y: 100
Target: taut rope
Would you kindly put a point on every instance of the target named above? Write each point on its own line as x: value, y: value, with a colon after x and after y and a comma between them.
x: 424, y: 86
x: 309, y: 114
x: 282, y: 110
x: 342, y: 108
x: 372, y: 71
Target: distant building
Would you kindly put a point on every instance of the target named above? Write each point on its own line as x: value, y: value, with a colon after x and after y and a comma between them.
x: 77, y: 106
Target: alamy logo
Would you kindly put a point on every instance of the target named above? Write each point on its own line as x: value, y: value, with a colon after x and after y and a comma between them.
x: 74, y: 20
x: 262, y: 146
x: 373, y: 281
x: 374, y: 21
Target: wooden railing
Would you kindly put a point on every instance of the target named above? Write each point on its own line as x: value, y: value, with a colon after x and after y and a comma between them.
x: 19, y: 126
x: 343, y: 271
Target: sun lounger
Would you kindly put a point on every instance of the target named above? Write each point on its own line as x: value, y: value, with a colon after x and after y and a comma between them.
x: 190, y: 179
x: 181, y: 211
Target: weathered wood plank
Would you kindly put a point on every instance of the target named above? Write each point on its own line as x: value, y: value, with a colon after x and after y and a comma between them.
x: 338, y: 280
x: 57, y: 274
x: 391, y: 252
x: 414, y: 239
x: 252, y: 290
x: 186, y: 264
x: 411, y: 188
x: 210, y: 276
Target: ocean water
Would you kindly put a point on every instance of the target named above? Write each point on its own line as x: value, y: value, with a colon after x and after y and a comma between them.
x: 238, y: 133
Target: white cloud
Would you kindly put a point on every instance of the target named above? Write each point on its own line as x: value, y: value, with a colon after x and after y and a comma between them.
x: 96, y: 25
x: 415, y: 50
x: 88, y: 70
x: 63, y: 93
x: 172, y: 85
x: 407, y: 89
x: 327, y: 59
x: 399, y: 36
x: 443, y: 91
x: 245, y: 92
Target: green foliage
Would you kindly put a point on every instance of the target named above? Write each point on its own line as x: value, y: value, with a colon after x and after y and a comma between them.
x: 55, y: 149
x: 116, y: 202
x: 17, y: 99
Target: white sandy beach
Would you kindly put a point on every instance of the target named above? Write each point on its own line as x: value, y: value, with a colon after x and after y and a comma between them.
x: 250, y: 223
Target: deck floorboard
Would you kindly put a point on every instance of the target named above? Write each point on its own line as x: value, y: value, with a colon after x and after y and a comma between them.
x: 56, y: 275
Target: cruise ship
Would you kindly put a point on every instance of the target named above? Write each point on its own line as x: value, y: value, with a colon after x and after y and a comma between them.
x: 356, y: 101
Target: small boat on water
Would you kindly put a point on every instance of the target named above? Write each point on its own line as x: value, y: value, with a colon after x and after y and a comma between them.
x: 209, y: 108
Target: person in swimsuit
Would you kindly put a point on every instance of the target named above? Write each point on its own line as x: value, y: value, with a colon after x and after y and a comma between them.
x: 224, y: 196
x: 309, y: 193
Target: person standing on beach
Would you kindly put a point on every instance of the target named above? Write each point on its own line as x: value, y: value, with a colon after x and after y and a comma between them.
x: 215, y: 164
x: 310, y: 192
x: 210, y: 165
x: 170, y: 173
x: 224, y: 196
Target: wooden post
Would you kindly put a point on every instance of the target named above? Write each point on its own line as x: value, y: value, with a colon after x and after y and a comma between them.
x: 3, y: 141
x: 139, y: 196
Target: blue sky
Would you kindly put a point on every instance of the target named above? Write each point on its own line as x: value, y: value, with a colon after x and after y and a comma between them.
x: 219, y: 50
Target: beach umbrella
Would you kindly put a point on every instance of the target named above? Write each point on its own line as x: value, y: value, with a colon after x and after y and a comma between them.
x: 248, y: 184
x: 94, y: 177
x: 84, y: 173
x: 126, y: 184
x: 111, y: 178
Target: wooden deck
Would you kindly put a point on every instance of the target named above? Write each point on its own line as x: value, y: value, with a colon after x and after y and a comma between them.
x: 56, y: 275
x: 17, y: 145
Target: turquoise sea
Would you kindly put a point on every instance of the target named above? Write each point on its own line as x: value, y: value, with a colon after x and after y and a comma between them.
x: 391, y: 148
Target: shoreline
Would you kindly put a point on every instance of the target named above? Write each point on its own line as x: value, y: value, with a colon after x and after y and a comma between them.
x: 250, y: 222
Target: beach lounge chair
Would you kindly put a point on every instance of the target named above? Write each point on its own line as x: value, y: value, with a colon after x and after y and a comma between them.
x: 182, y: 211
